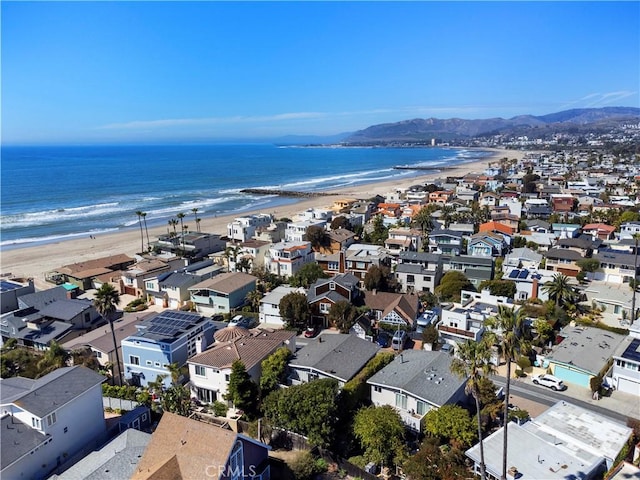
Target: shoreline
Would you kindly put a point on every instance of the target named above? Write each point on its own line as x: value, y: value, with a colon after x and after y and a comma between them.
x: 33, y: 261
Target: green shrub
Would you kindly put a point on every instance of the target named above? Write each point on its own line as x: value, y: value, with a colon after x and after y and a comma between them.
x: 220, y: 409
x: 524, y: 362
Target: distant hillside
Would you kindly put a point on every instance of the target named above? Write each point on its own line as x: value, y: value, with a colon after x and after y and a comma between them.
x: 587, y: 119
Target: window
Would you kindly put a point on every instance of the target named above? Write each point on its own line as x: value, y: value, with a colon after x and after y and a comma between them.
x: 333, y: 266
x: 157, y: 364
x: 421, y: 407
x: 51, y: 419
x: 332, y: 285
x: 149, y: 362
x: 226, y: 377
x: 324, y: 308
x: 66, y: 429
x: 236, y: 462
x: 98, y: 354
x: 35, y: 422
x: 401, y: 401
x: 377, y: 389
x: 411, y: 279
x: 201, y: 371
x: 134, y: 360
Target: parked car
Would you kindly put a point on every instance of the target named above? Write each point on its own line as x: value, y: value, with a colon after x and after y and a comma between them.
x: 399, y: 340
x: 241, y: 321
x: 549, y: 381
x: 311, y: 331
x: 384, y: 340
x: 447, y: 348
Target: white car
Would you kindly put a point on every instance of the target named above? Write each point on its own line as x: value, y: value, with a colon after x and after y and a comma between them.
x: 549, y: 381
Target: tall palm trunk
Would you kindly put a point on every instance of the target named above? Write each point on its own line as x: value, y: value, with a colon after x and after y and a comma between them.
x: 115, y: 347
x: 144, y: 218
x: 506, y: 420
x: 483, y: 468
x: 141, y: 233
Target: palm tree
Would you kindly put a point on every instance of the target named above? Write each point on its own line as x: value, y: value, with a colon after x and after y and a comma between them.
x: 473, y: 362
x: 139, y: 214
x: 254, y: 297
x: 144, y: 219
x: 181, y: 217
x: 423, y: 220
x: 195, y: 214
x: 232, y: 251
x: 509, y: 330
x: 559, y: 289
x: 173, y: 223
x: 106, y: 300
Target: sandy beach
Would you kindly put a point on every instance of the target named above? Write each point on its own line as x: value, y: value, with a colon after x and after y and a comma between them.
x: 34, y: 261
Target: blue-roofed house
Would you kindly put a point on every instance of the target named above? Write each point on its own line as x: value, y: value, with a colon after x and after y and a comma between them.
x: 416, y: 382
x: 169, y: 337
x: 46, y: 422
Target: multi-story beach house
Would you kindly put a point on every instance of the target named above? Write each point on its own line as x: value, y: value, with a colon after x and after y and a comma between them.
x: 49, y: 421
x: 476, y: 269
x: 270, y: 305
x: 171, y: 289
x: 132, y: 280
x: 251, y: 254
x: 242, y: 229
x: 360, y: 257
x: 222, y: 293
x: 169, y: 337
x: 446, y: 242
x: 465, y: 320
x: 83, y: 274
x: 415, y: 383
x: 195, y: 245
x: 11, y: 290
x: 297, y: 231
x: 210, y: 370
x: 326, y: 292
x: 418, y: 271
x: 287, y: 258
x: 403, y: 240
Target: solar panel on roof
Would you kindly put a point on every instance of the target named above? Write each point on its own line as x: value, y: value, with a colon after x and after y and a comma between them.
x: 632, y: 352
x: 523, y: 273
x: 8, y: 286
x: 514, y: 273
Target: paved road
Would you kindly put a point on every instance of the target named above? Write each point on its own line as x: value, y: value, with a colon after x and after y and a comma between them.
x: 618, y: 406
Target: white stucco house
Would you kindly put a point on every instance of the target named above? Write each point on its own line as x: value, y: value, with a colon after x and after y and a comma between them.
x: 46, y: 422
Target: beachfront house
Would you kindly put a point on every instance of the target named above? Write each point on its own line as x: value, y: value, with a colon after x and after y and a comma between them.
x: 11, y: 290
x: 242, y: 229
x: 195, y: 245
x: 132, y: 280
x: 171, y: 336
x: 83, y: 274
x: 49, y: 421
x: 415, y: 383
x: 297, y: 231
x: 223, y: 293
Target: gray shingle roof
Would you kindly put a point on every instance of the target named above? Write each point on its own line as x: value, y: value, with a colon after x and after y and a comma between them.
x: 586, y: 348
x: 424, y: 375
x: 50, y: 392
x: 17, y: 440
x: 338, y: 355
x: 117, y: 459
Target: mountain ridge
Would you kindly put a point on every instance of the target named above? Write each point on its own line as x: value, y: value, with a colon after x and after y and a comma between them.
x: 419, y: 129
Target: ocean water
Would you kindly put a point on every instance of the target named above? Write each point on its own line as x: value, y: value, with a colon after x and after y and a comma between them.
x: 52, y: 193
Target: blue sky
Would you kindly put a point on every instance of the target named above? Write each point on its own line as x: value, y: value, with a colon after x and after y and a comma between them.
x: 82, y: 72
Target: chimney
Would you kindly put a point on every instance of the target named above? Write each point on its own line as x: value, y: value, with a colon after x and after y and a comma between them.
x: 534, y: 288
x: 341, y: 262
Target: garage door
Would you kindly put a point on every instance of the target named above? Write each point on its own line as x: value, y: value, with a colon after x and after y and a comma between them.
x: 627, y: 386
